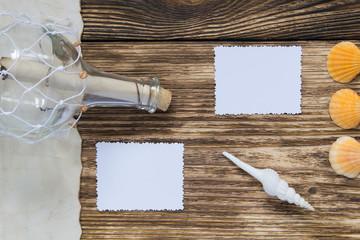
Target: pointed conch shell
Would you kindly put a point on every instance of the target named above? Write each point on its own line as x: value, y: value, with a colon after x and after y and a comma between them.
x: 343, y: 62
x: 344, y: 108
x: 272, y: 183
x: 344, y: 157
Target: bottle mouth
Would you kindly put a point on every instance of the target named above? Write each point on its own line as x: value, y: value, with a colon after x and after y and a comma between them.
x: 152, y: 99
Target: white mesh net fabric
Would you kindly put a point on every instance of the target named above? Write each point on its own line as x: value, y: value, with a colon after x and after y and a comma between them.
x: 26, y: 117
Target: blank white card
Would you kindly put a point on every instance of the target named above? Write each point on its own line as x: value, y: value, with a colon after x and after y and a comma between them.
x: 258, y: 80
x: 134, y: 176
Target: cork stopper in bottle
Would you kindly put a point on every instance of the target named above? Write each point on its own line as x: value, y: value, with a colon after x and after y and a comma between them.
x: 165, y: 99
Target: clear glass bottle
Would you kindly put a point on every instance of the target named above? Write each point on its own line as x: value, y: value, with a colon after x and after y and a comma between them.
x: 45, y: 82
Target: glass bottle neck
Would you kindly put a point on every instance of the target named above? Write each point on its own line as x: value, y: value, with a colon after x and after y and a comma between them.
x: 110, y: 90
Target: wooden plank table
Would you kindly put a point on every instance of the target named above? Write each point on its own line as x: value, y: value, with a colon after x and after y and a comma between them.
x: 174, y: 41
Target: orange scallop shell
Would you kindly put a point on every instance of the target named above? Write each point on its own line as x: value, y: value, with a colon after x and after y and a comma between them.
x: 344, y: 157
x: 345, y: 108
x: 343, y: 62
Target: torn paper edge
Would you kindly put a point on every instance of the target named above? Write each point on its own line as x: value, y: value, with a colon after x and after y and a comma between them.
x: 141, y: 210
x: 270, y: 113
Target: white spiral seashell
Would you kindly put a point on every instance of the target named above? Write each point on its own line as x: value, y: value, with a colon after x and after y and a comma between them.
x: 272, y: 183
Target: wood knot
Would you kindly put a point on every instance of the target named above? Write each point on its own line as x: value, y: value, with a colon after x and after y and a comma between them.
x: 313, y: 190
x: 192, y: 2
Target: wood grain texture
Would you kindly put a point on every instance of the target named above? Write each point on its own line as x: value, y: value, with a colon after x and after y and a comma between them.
x: 220, y: 200
x: 109, y: 20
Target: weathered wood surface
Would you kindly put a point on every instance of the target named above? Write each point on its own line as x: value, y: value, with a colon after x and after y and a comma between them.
x: 108, y: 20
x: 220, y: 200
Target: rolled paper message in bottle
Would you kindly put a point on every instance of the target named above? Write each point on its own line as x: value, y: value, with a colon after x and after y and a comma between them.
x: 102, y: 89
x: 272, y: 183
x: 45, y: 83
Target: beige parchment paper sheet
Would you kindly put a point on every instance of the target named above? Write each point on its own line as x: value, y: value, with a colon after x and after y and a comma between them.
x: 39, y: 184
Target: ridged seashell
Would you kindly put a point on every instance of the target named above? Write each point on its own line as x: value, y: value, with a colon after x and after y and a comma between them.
x: 344, y: 108
x: 272, y: 183
x: 343, y: 62
x: 344, y: 157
